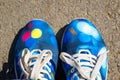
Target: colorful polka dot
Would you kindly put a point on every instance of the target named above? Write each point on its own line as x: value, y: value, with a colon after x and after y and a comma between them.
x: 36, y: 33
x: 26, y: 35
x: 30, y: 25
x: 72, y: 31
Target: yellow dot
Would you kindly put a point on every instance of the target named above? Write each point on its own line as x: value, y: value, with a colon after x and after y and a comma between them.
x: 36, y: 33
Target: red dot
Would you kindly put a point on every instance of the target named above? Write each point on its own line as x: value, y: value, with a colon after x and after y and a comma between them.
x: 30, y: 25
x: 26, y: 35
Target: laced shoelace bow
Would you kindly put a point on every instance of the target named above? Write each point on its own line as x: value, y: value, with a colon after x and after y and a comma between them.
x: 37, y: 72
x: 90, y: 60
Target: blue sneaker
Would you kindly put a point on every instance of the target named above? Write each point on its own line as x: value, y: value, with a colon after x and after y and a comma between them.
x: 84, y: 54
x: 36, y: 52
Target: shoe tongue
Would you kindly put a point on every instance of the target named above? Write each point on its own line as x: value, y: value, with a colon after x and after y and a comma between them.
x: 86, y: 66
x: 96, y: 51
x: 101, y: 51
x: 84, y: 52
x: 34, y: 59
x: 36, y: 52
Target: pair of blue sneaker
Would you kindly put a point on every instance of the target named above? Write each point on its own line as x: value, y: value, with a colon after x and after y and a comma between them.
x: 83, y: 52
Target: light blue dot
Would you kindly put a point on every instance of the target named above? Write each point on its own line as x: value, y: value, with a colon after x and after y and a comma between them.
x: 84, y: 38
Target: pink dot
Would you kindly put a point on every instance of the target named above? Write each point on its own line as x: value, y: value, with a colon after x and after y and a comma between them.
x: 26, y: 35
x: 30, y: 25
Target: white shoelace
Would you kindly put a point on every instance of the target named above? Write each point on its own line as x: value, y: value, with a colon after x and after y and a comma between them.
x: 91, y: 61
x: 42, y: 59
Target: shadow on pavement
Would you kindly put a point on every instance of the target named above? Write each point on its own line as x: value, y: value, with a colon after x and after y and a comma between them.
x: 8, y: 68
x: 60, y: 75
